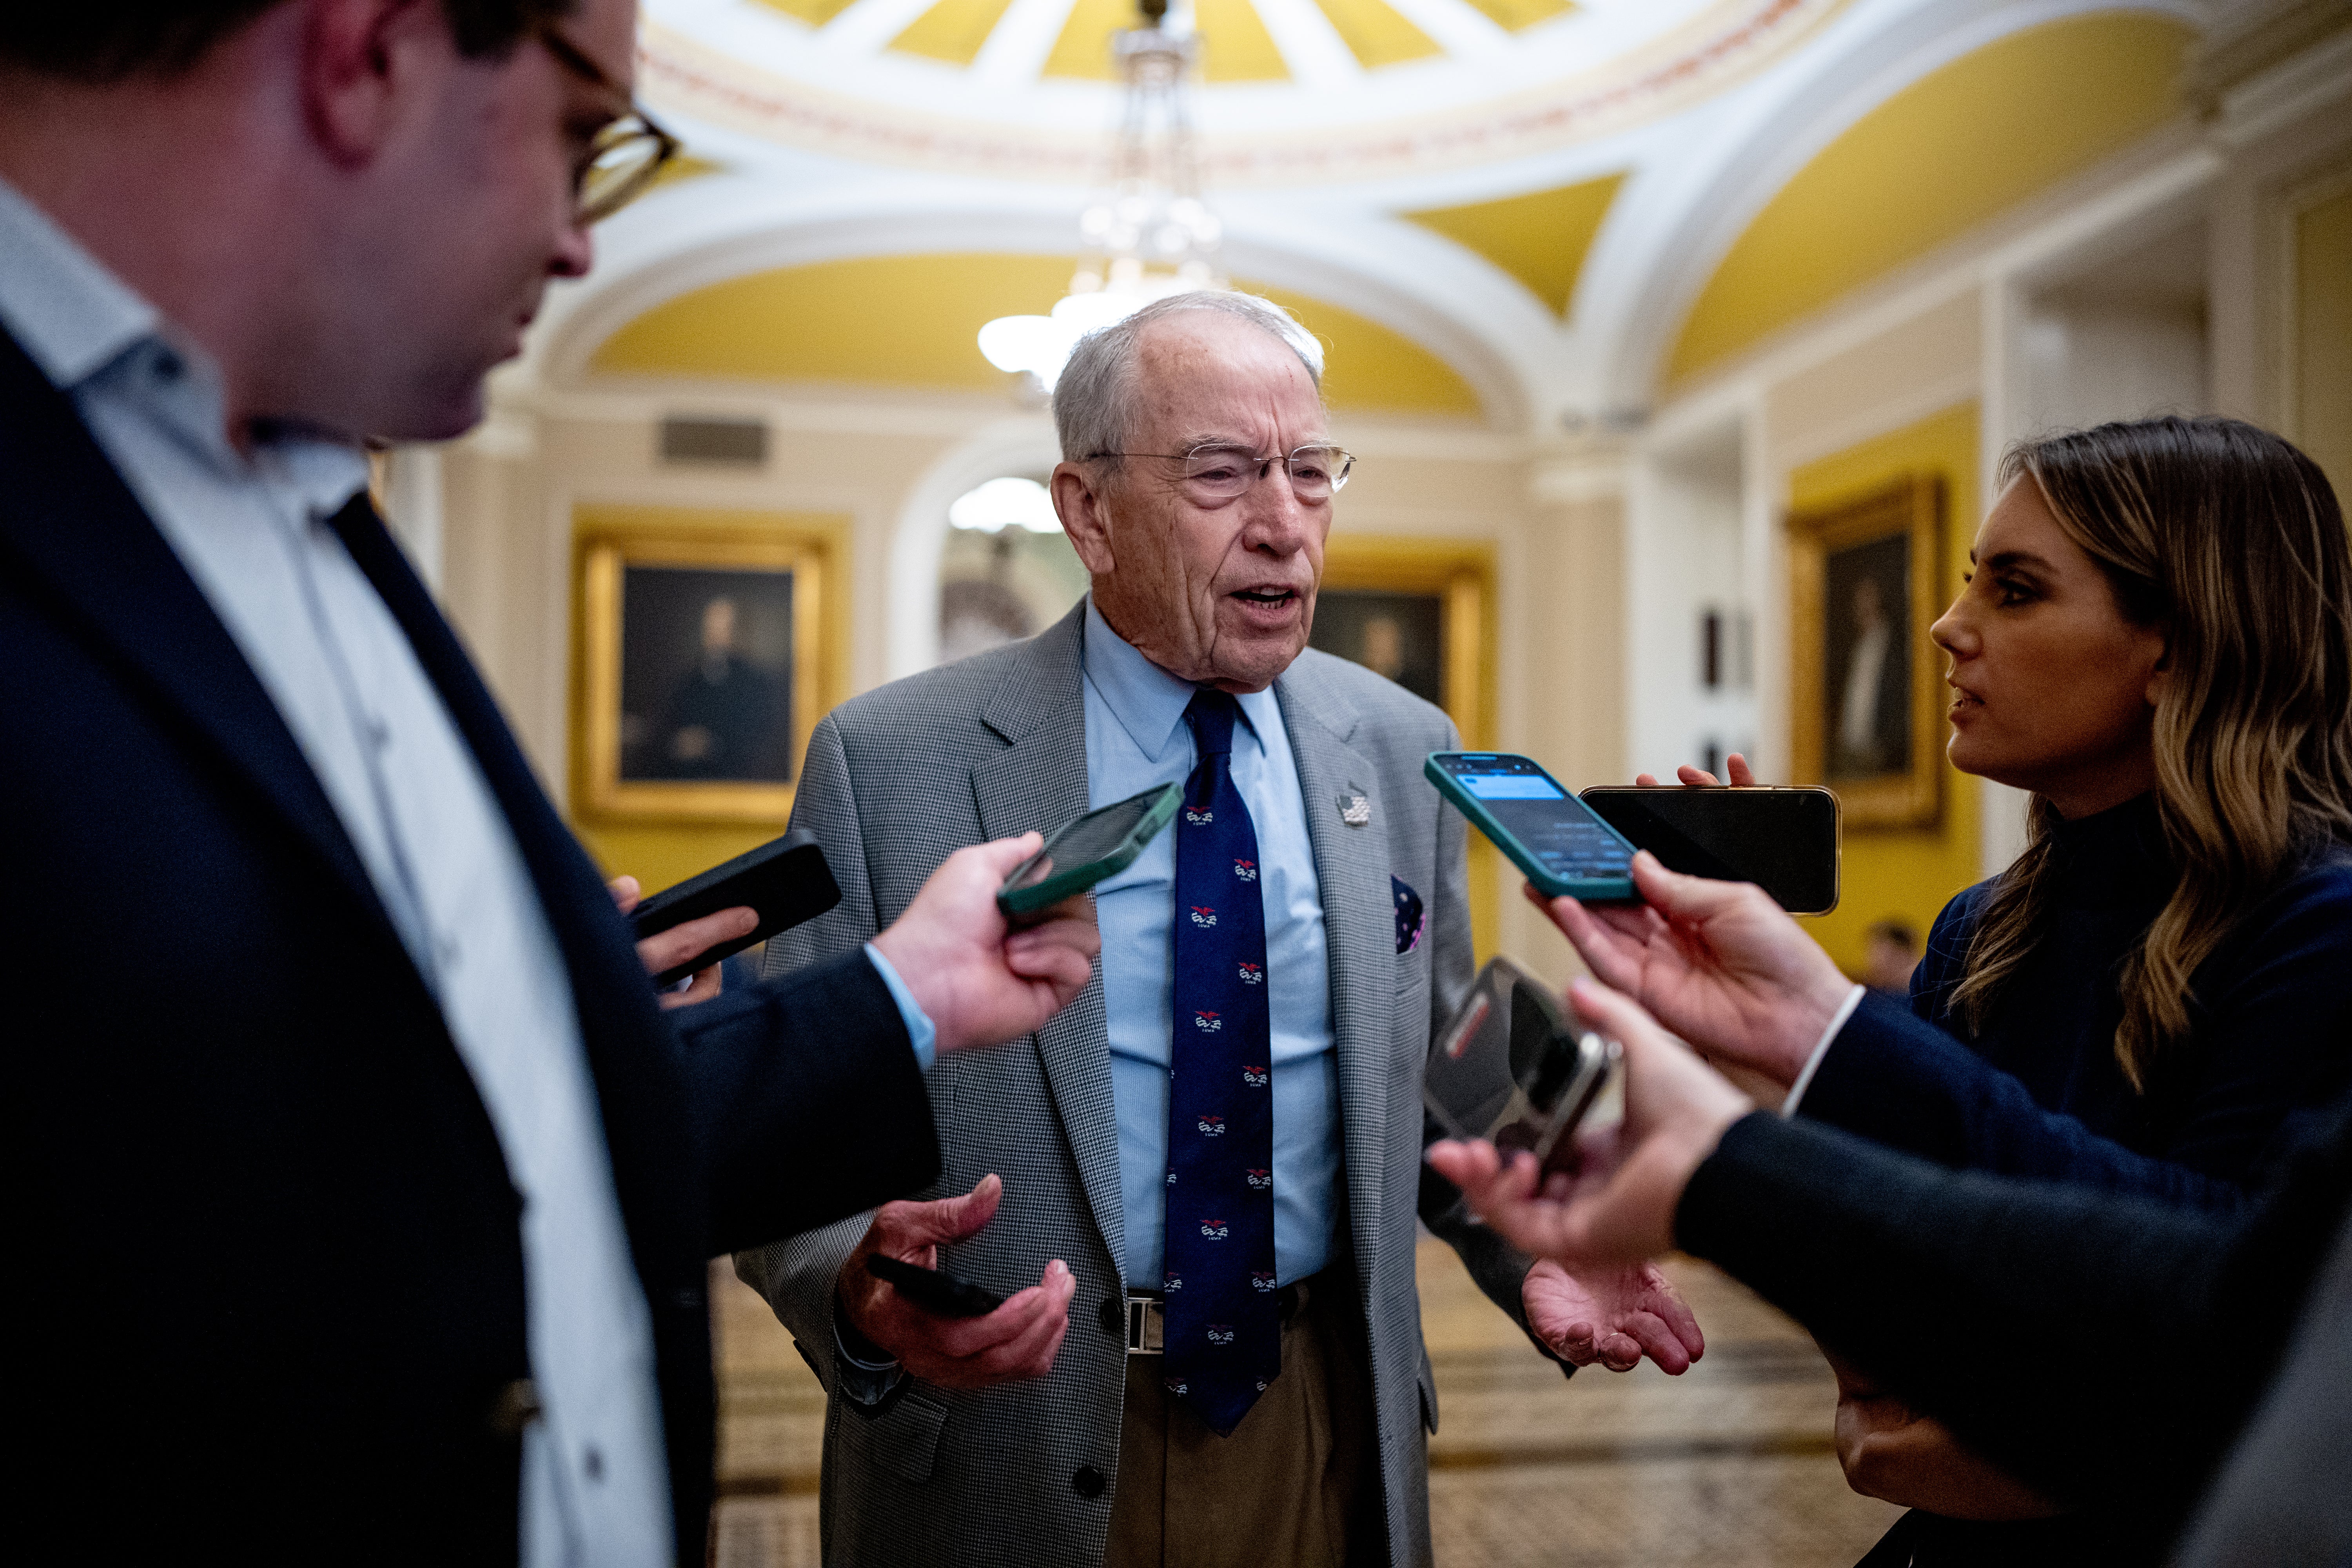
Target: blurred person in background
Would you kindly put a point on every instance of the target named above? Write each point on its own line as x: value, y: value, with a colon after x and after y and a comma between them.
x: 373, y: 1202
x: 2156, y: 997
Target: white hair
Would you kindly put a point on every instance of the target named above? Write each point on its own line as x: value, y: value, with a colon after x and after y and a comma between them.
x: 1094, y: 400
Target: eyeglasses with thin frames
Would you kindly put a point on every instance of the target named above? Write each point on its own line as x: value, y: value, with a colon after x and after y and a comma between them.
x: 626, y: 156
x: 1217, y: 473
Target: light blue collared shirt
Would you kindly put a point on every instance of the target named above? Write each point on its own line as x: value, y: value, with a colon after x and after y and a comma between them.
x: 1136, y: 739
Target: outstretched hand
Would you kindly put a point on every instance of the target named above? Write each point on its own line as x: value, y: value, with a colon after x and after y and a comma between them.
x: 1619, y: 1206
x: 1719, y: 963
x: 1614, y: 1313
x: 980, y: 983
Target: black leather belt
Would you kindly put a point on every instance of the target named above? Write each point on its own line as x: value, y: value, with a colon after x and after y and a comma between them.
x: 1146, y: 1323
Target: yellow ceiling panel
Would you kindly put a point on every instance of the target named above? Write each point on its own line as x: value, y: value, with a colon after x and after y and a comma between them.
x: 1376, y: 33
x: 1083, y: 50
x: 1518, y: 15
x: 1234, y: 45
x: 1540, y: 238
x: 816, y: 13
x: 953, y: 30
x: 910, y: 320
x: 907, y: 321
x: 1371, y: 367
x: 1941, y: 156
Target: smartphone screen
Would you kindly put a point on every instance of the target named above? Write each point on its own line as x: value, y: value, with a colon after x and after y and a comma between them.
x: 1089, y: 838
x: 1550, y: 824
x: 1783, y: 840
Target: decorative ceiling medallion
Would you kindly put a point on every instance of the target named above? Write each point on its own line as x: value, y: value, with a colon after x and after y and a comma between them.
x: 1257, y: 135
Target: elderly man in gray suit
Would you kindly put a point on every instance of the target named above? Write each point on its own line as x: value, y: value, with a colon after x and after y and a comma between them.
x: 1216, y: 1151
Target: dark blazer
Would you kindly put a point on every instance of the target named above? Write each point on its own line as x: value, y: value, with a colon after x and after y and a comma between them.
x: 2037, y: 1092
x: 268, y: 1273
x: 2105, y: 1348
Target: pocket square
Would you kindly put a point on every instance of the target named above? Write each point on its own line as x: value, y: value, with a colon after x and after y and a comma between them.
x: 1410, y: 919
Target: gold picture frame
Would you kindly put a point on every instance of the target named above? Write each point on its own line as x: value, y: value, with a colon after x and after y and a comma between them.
x: 1457, y: 580
x: 1865, y: 583
x: 780, y: 575
x: 1449, y: 583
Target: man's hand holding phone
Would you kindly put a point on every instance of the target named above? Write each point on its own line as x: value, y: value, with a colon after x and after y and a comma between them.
x: 979, y: 981
x: 1017, y: 1341
x: 667, y: 949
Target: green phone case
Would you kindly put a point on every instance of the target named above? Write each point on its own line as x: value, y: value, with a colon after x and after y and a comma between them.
x: 1592, y: 889
x: 1078, y: 878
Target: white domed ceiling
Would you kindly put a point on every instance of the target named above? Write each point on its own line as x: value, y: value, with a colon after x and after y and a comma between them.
x: 1291, y: 91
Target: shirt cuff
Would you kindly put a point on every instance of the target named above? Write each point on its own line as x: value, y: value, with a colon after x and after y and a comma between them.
x: 921, y: 1033
x: 1812, y: 1063
x: 866, y: 1381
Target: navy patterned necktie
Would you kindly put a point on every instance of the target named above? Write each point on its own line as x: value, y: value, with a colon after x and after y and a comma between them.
x: 1224, y: 1330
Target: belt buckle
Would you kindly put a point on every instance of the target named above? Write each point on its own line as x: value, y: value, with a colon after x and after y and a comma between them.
x: 1147, y: 1326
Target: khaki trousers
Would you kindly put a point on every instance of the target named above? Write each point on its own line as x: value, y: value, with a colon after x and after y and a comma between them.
x: 1296, y: 1483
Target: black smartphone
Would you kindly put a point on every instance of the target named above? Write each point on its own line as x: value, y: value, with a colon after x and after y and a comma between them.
x: 933, y: 1290
x: 1783, y: 840
x: 1513, y: 1067
x: 1102, y: 843
x: 784, y: 882
x: 1562, y: 845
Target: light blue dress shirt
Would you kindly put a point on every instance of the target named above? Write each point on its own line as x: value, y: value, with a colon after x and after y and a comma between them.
x: 1136, y: 739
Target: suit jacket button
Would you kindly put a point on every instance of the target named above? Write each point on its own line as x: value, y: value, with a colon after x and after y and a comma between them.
x: 1114, y: 1318
x: 1087, y: 1482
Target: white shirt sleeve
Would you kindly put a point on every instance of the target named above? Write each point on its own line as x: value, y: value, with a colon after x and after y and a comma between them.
x: 1812, y: 1063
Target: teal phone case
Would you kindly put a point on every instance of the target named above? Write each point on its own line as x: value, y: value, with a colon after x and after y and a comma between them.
x: 1078, y: 878
x: 1592, y: 889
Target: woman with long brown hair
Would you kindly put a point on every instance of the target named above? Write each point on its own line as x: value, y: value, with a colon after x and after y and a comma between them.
x: 2156, y: 641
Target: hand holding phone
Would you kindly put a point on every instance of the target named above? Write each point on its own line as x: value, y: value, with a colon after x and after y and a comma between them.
x: 1014, y: 1340
x: 785, y: 881
x: 1512, y: 1069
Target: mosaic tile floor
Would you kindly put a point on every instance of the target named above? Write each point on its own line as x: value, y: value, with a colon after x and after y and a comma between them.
x: 1727, y: 1467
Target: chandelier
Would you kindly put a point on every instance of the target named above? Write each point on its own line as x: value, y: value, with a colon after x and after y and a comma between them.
x: 1152, y: 235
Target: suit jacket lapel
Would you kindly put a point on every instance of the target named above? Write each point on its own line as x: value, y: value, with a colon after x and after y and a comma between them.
x: 67, y: 520
x: 644, y: 1116
x: 1040, y: 781
x: 1352, y: 866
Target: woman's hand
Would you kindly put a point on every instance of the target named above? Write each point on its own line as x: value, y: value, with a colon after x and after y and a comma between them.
x: 1719, y: 963
x: 1737, y: 773
x: 1888, y: 1450
x: 1619, y: 1206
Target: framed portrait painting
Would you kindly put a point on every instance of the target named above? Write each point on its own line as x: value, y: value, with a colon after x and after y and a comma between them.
x: 1415, y: 611
x: 1865, y: 583
x: 699, y: 672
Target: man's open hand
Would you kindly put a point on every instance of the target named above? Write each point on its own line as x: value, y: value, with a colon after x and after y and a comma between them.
x: 1019, y: 1339
x: 980, y: 983
x: 667, y: 950
x: 1619, y: 1206
x: 1719, y: 963
x: 1614, y: 1313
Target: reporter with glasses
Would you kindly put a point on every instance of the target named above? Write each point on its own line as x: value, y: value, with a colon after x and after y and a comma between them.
x: 363, y: 1190
x: 2157, y: 999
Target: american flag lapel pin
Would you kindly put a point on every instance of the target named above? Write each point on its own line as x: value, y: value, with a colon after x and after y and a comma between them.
x: 1355, y: 806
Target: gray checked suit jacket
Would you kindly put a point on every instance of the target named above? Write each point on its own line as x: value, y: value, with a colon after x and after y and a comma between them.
x: 896, y: 780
